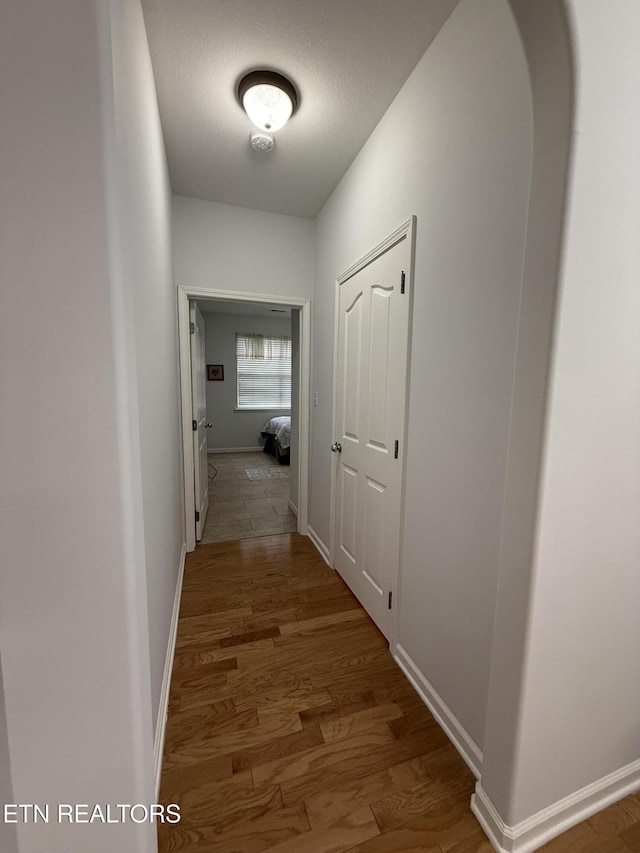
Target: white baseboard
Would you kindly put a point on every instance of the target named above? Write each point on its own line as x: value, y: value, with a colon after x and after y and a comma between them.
x: 163, y: 709
x: 235, y: 449
x: 293, y: 508
x: 322, y: 548
x: 456, y: 733
x: 532, y: 833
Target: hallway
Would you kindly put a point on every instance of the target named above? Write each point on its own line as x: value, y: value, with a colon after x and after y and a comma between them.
x: 290, y: 726
x: 292, y: 729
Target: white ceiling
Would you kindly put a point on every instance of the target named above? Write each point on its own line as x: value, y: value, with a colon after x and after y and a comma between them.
x: 251, y: 309
x: 347, y: 58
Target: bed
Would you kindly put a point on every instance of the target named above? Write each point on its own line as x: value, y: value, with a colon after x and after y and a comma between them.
x: 277, y: 438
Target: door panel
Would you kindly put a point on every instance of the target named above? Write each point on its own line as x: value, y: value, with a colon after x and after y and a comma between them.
x: 374, y: 523
x: 379, y: 361
x: 199, y: 415
x: 373, y: 331
x: 353, y: 368
x: 350, y: 512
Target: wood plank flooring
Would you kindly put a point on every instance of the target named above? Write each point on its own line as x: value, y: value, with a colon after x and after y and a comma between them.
x: 292, y: 730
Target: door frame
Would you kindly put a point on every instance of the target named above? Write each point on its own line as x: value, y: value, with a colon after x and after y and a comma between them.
x: 406, y: 230
x: 197, y: 437
x: 185, y: 294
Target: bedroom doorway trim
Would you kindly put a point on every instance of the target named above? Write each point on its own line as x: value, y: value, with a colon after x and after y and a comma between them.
x: 304, y: 306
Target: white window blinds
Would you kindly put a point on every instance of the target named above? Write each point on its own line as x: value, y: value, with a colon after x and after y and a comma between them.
x: 264, y: 372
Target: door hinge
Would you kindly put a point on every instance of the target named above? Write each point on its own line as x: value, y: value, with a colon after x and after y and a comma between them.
x: 194, y: 425
x: 390, y: 599
x: 396, y: 449
x: 192, y: 328
x: 402, y: 282
x: 197, y: 516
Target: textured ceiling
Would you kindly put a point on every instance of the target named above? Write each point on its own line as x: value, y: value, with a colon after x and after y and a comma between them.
x: 347, y: 58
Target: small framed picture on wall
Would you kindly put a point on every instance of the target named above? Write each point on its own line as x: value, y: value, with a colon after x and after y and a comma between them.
x: 215, y: 372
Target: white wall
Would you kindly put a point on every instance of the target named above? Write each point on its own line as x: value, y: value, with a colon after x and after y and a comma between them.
x: 548, y: 48
x: 144, y: 210
x: 232, y: 428
x: 580, y: 694
x: 235, y: 248
x: 73, y: 627
x: 8, y: 834
x: 454, y: 149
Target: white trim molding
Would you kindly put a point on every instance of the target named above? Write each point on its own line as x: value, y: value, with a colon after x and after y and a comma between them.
x: 407, y: 229
x: 163, y: 707
x: 450, y: 724
x: 320, y: 546
x: 530, y: 834
x: 292, y: 507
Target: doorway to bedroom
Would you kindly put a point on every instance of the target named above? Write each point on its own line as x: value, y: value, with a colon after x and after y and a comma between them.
x: 249, y: 406
x: 245, y: 416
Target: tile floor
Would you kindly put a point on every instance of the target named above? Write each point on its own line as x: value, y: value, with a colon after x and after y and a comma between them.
x: 240, y: 508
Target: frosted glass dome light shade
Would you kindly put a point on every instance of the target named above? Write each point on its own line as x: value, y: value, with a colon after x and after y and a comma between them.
x: 269, y: 99
x: 268, y: 107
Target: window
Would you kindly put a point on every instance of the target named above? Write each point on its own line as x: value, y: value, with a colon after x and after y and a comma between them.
x: 264, y: 372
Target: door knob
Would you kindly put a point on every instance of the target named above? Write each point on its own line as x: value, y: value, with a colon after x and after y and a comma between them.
x: 209, y: 425
x: 336, y: 447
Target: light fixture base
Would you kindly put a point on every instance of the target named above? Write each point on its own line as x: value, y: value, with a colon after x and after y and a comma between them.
x: 262, y: 141
x: 271, y: 78
x: 268, y: 98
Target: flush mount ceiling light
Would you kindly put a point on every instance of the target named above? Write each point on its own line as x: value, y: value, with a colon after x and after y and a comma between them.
x: 269, y: 99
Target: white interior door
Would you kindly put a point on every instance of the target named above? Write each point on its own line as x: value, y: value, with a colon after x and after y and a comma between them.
x: 199, y: 415
x: 373, y: 332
